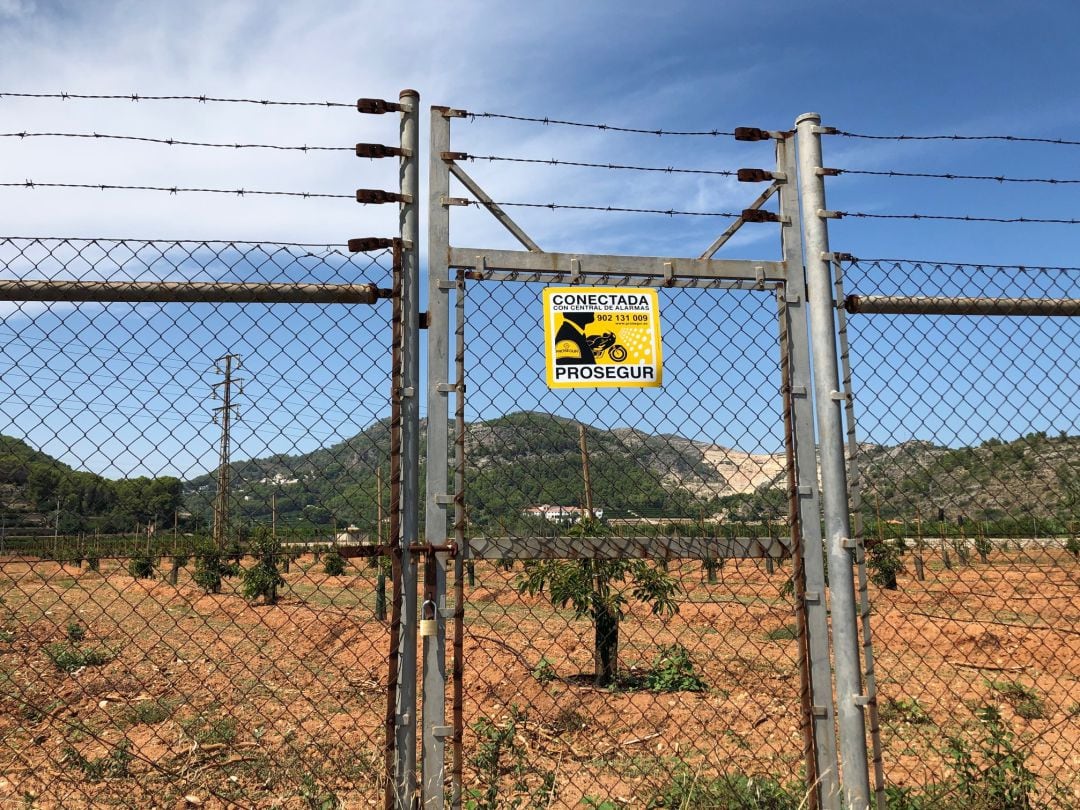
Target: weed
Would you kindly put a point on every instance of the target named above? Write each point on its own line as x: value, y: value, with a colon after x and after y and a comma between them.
x: 673, y: 671
x: 786, y: 633
x: 68, y: 657
x: 595, y: 803
x: 994, y: 775
x: 1073, y: 710
x: 315, y: 798
x: 904, y: 710
x: 6, y: 635
x: 93, y: 559
x: 499, y: 754
x: 210, y: 732
x: 568, y: 720
x: 544, y: 672
x: 689, y: 790
x: 1025, y: 701
x: 75, y: 632
x: 114, y: 764
x: 148, y: 712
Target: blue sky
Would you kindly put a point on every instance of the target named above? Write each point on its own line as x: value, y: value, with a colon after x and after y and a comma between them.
x: 912, y: 68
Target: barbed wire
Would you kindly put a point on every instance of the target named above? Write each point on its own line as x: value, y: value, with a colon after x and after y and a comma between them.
x: 1007, y: 138
x: 203, y: 99
x: 950, y: 176
x: 557, y: 162
x: 174, y: 141
x: 240, y: 192
x: 860, y: 260
x: 123, y: 240
x: 958, y: 218
x: 612, y: 209
x: 606, y: 127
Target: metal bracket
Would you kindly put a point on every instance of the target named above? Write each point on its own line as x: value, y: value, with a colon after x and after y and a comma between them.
x: 821, y: 212
x: 848, y: 543
x: 839, y: 396
x: 812, y: 596
x: 443, y: 500
x: 408, y: 391
x: 820, y: 172
x: 759, y: 275
x: 819, y: 711
x: 454, y: 201
x: 669, y: 273
x: 805, y: 491
x: 862, y: 700
x: 442, y: 731
x: 575, y: 271
x: 444, y: 284
x: 446, y: 388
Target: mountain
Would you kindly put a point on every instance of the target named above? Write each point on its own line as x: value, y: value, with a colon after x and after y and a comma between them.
x: 38, y: 491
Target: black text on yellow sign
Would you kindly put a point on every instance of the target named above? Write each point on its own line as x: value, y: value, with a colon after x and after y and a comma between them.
x: 602, y: 337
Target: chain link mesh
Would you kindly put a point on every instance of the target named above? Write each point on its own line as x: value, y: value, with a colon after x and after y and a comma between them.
x: 140, y: 662
x: 702, y: 707
x: 969, y: 460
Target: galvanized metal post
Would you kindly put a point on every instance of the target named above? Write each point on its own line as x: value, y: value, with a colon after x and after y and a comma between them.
x: 409, y: 176
x: 817, y: 619
x: 437, y: 501
x: 828, y: 400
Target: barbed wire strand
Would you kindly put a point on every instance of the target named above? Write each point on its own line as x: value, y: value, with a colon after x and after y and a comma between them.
x: 557, y: 162
x: 237, y: 243
x: 606, y: 127
x: 613, y: 209
x: 174, y: 141
x: 240, y: 192
x: 1054, y: 181
x: 958, y: 218
x: 203, y: 99
x: 1006, y: 138
x: 860, y: 260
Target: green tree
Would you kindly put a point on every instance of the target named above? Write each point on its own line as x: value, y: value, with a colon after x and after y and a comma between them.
x: 601, y: 590
x: 263, y: 578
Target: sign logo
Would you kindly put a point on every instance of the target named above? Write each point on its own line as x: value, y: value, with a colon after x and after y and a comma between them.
x: 602, y: 337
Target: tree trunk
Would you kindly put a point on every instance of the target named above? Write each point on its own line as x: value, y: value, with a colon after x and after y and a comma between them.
x: 606, y: 656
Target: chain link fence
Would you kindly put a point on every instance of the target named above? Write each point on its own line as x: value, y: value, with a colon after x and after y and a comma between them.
x: 167, y: 630
x: 969, y: 501
x: 665, y: 675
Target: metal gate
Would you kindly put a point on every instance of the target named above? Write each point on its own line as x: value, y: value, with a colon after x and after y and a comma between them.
x: 720, y: 678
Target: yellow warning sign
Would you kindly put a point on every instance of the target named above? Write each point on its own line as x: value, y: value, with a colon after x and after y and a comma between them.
x: 602, y: 337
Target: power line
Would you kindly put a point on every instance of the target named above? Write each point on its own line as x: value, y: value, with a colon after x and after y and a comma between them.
x: 606, y: 127
x: 240, y: 192
x: 949, y: 176
x: 555, y: 162
x: 671, y: 212
x: 174, y: 141
x: 200, y: 98
x: 955, y: 218
x: 1007, y: 138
